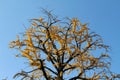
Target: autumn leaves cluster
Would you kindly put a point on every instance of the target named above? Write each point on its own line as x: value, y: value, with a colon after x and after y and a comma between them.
x: 57, y: 48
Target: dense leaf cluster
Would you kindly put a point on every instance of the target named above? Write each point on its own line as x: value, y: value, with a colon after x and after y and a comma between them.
x: 62, y: 50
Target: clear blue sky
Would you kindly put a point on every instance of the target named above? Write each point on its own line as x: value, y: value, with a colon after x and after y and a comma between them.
x: 103, y: 17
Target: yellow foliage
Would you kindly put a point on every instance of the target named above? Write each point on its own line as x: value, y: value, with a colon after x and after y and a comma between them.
x: 61, y: 73
x: 17, y: 43
x: 66, y: 47
x: 43, y: 31
x: 35, y: 63
x: 88, y: 44
x: 74, y: 22
x: 98, y: 77
x: 48, y: 58
x: 29, y: 36
x: 61, y: 43
x: 49, y: 47
x: 84, y: 29
x: 56, y: 64
x: 26, y: 54
x: 29, y: 41
x: 54, y: 51
x: 46, y: 36
x: 69, y: 50
x: 41, y: 19
x: 34, y: 24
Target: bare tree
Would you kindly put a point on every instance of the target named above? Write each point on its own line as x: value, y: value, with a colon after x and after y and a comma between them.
x: 63, y: 50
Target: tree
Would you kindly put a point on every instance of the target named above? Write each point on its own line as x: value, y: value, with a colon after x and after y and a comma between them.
x: 63, y: 50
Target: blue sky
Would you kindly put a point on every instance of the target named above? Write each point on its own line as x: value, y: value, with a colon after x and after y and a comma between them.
x: 103, y: 17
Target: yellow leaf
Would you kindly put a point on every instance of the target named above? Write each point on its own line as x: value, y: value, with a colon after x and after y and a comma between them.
x: 26, y: 54
x: 34, y: 24
x: 61, y: 73
x: 69, y: 50
x: 41, y: 19
x: 34, y: 53
x: 74, y: 22
x: 34, y: 63
x: 29, y: 41
x: 29, y: 36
